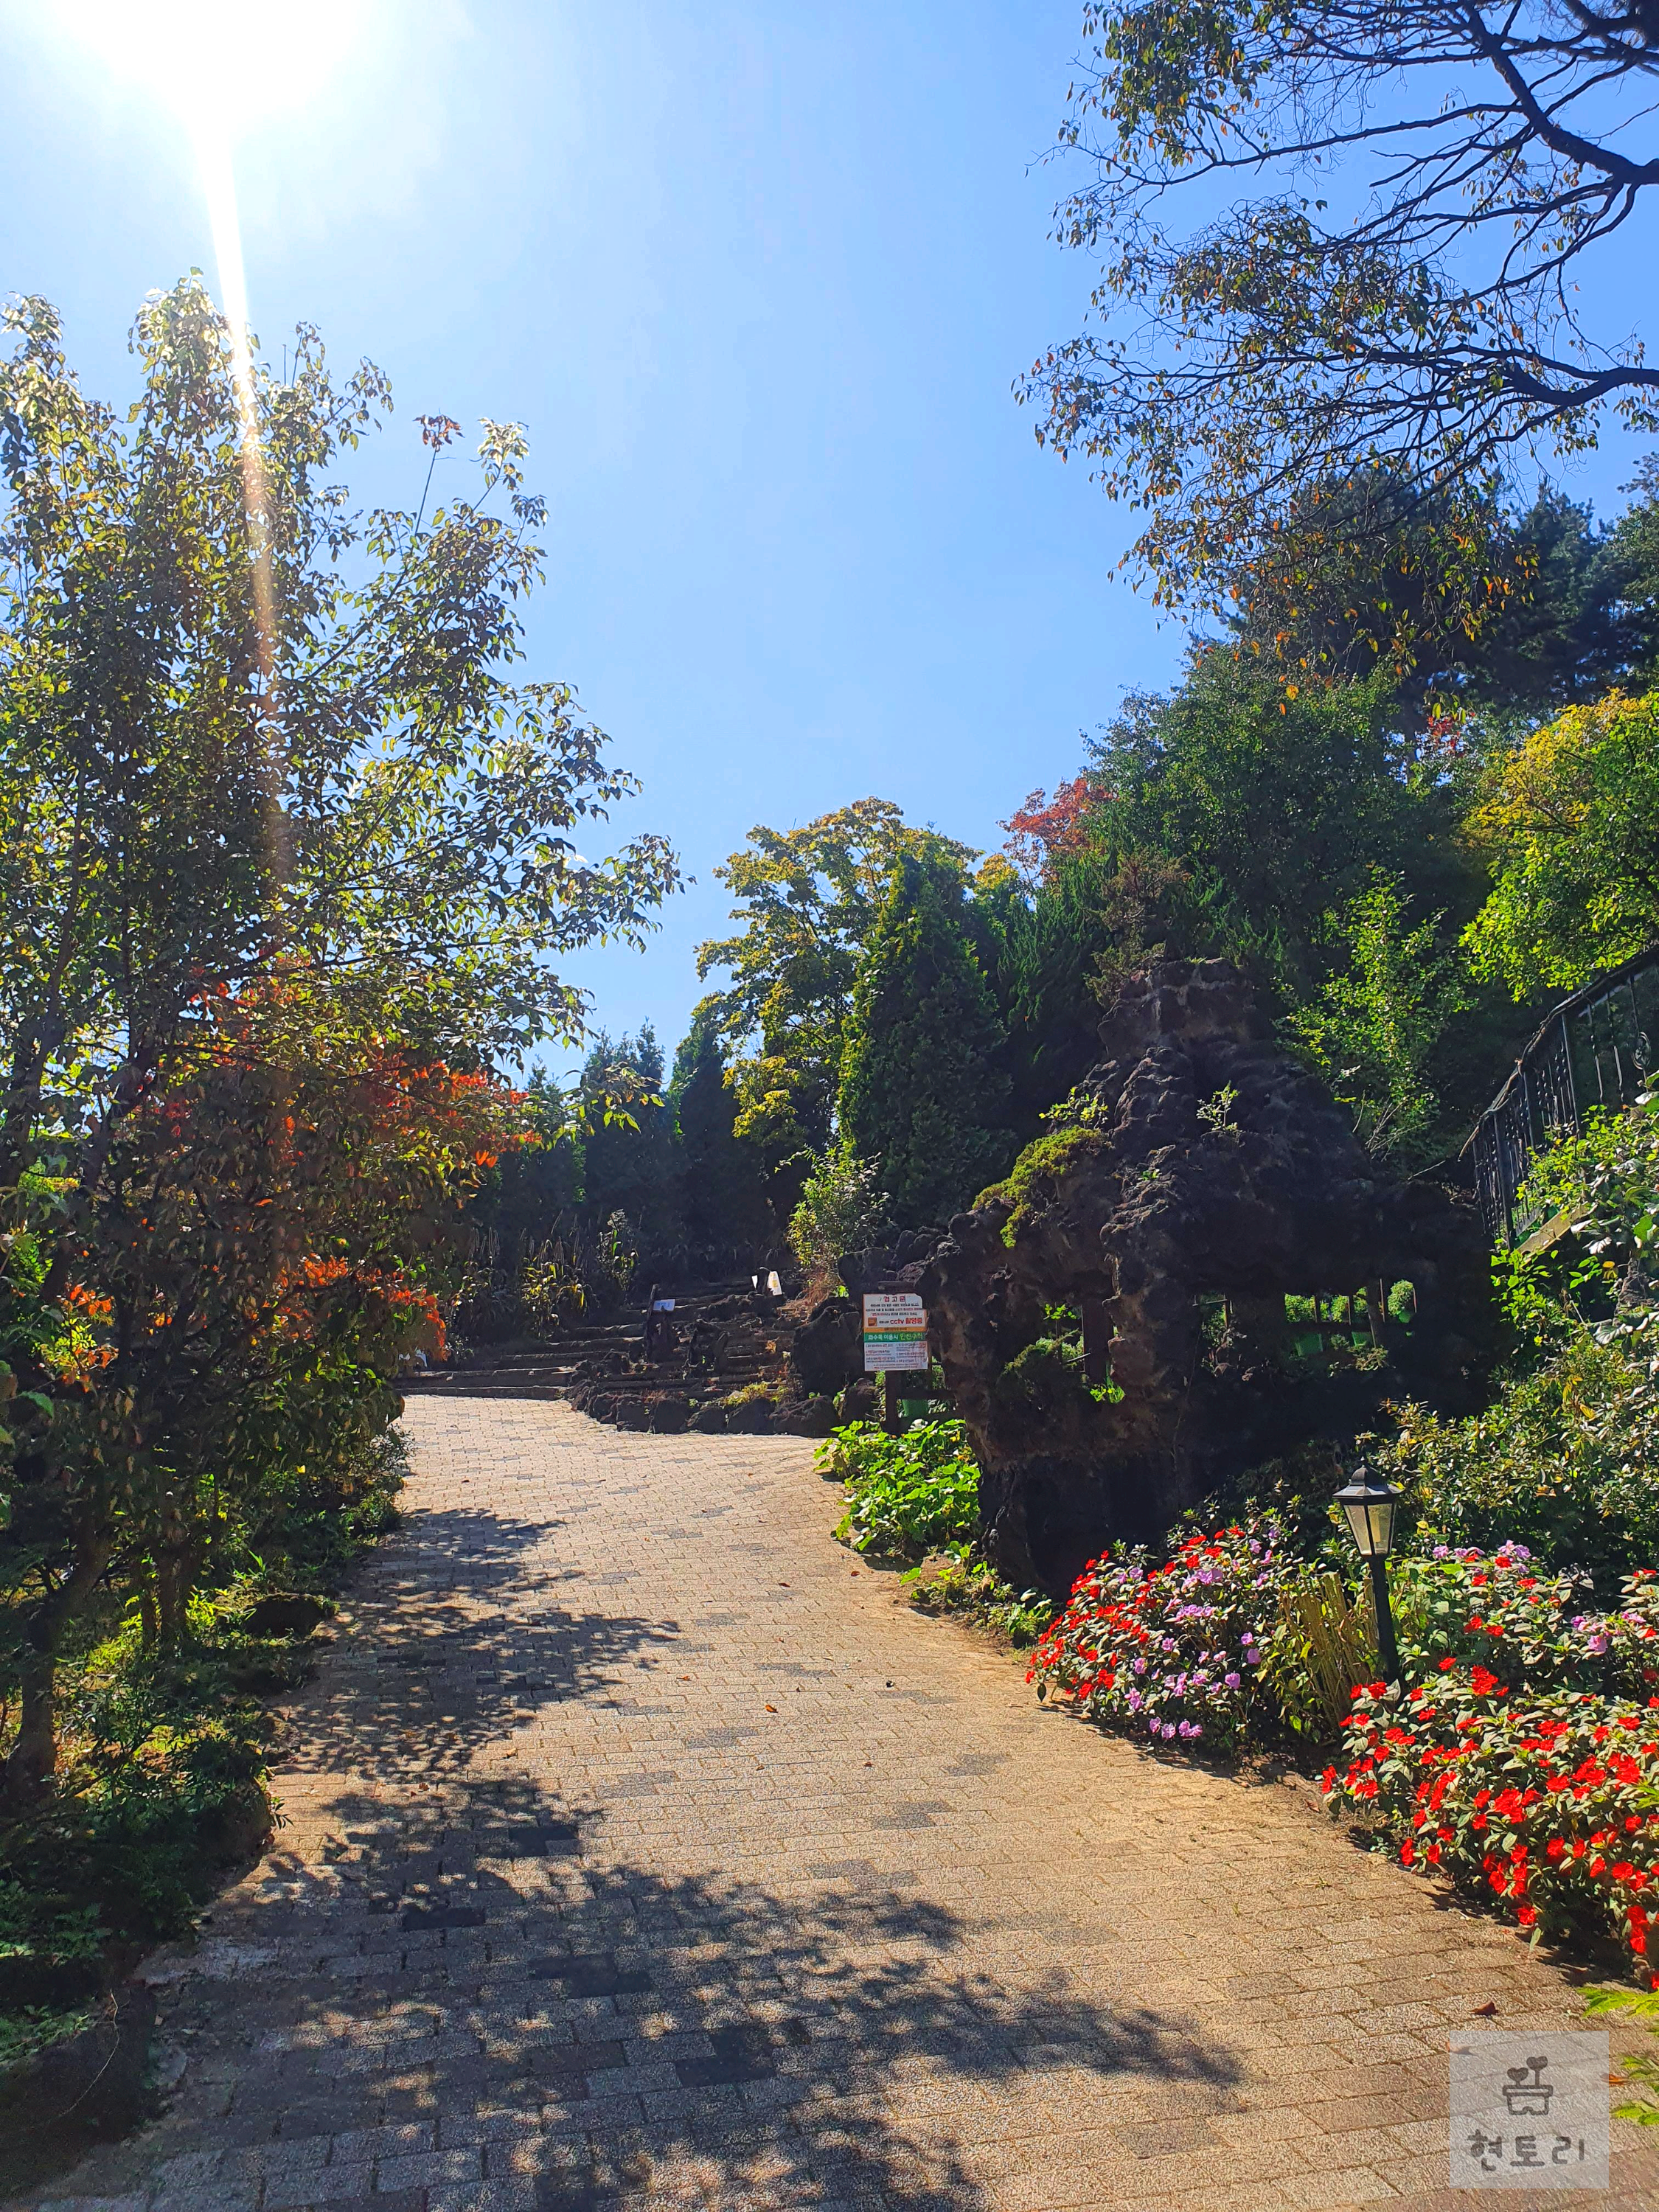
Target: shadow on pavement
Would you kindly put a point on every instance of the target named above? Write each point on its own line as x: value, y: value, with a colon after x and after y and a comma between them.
x: 599, y: 2030
x: 459, y: 1632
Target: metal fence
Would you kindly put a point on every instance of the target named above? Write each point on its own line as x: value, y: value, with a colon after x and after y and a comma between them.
x: 1600, y: 1048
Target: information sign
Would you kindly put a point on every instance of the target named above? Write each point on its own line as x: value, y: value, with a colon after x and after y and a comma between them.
x: 895, y: 1331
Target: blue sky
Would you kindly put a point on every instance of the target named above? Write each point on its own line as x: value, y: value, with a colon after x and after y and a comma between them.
x: 757, y: 277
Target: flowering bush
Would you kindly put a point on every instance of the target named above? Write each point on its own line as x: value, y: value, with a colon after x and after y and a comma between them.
x: 1494, y: 1610
x: 1171, y: 1653
x: 1631, y: 1635
x: 1546, y: 1799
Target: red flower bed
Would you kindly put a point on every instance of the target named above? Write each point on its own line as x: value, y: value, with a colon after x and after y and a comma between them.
x: 1544, y: 1799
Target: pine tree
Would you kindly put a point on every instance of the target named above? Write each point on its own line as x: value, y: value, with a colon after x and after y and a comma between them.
x: 635, y: 1170
x: 923, y: 1086
x: 723, y: 1193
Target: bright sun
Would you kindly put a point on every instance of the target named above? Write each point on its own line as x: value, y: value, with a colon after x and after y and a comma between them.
x: 224, y: 64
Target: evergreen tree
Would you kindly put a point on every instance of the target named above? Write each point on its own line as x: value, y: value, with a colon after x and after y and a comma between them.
x: 532, y: 1193
x: 722, y: 1184
x: 635, y: 1172
x: 923, y: 1085
x: 1050, y: 954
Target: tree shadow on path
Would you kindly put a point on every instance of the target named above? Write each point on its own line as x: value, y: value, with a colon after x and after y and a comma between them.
x: 592, y: 2031
x: 458, y: 1634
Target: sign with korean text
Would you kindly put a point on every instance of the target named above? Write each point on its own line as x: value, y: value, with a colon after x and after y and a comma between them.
x: 895, y: 1330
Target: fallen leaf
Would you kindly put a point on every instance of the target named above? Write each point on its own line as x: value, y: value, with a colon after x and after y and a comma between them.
x: 771, y: 1709
x: 1490, y: 2007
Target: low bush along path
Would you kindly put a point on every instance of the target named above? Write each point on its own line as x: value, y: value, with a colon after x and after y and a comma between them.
x: 641, y: 1849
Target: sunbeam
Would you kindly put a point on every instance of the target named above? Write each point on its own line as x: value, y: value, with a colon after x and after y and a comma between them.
x: 222, y: 69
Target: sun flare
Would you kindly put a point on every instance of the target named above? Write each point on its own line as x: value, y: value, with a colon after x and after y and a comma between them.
x: 223, y: 69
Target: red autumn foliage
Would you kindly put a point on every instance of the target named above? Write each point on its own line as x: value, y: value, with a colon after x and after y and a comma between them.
x: 1045, y: 830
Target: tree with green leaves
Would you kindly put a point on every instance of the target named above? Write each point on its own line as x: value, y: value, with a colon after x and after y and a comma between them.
x: 843, y: 1209
x: 630, y: 1153
x: 260, y: 755
x: 723, y: 1195
x: 807, y: 900
x: 923, y: 1094
x: 1573, y: 605
x: 1372, y: 1030
x: 1232, y: 819
x: 1569, y: 824
x: 1409, y: 195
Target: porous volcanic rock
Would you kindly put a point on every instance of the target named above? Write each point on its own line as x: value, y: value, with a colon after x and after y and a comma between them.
x: 1146, y: 1215
x: 828, y: 1351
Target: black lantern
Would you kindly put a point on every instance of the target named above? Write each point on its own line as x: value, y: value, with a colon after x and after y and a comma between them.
x: 1371, y: 1508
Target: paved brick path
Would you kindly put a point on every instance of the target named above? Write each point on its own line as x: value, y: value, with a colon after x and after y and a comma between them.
x: 641, y: 1851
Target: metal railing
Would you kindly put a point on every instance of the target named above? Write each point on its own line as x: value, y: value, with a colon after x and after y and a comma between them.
x: 1598, y: 1048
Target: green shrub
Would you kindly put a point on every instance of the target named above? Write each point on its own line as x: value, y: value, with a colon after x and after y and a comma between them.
x: 841, y: 1210
x: 320, y: 1515
x: 1566, y: 1461
x: 161, y: 1784
x: 905, y: 1495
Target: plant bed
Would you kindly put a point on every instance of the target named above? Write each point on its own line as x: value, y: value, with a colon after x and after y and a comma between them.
x: 905, y: 1495
x: 961, y: 1586
x: 159, y: 1797
x: 1521, y: 1764
x: 71, y: 2077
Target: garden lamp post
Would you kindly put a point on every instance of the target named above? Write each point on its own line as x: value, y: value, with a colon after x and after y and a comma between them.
x: 1371, y: 1508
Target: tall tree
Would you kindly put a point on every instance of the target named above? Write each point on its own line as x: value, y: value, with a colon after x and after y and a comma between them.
x: 922, y: 1093
x: 723, y: 1195
x: 631, y: 1160
x: 1248, y: 817
x: 1048, y: 966
x: 1408, y: 196
x: 1372, y: 1030
x: 256, y: 752
x: 1570, y: 823
x: 807, y: 900
x: 1568, y: 610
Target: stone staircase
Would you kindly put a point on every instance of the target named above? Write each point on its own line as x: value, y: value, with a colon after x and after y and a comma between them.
x: 724, y: 1342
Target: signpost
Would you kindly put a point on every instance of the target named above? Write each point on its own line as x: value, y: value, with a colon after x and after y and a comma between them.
x: 895, y: 1340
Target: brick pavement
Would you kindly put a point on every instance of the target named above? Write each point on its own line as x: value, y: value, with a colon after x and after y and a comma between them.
x: 642, y: 1849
